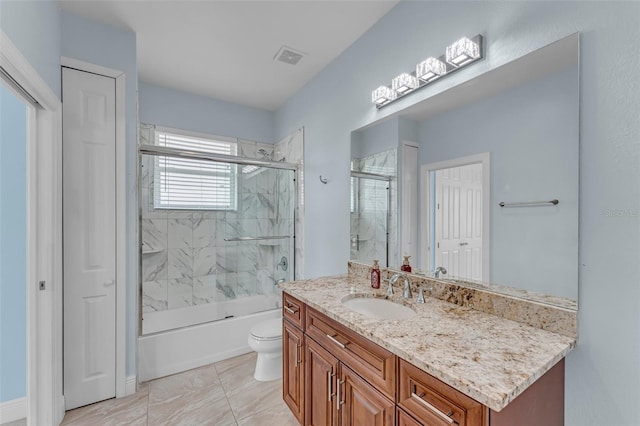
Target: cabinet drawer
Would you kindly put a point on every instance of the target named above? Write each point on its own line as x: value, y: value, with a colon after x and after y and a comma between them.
x: 435, y: 403
x: 372, y: 362
x: 293, y: 310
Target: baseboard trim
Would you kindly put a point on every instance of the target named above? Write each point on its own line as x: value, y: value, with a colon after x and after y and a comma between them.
x: 13, y: 410
x: 130, y: 385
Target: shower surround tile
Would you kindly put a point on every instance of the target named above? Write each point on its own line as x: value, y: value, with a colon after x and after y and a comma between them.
x: 180, y: 293
x: 197, y: 265
x: 204, y: 261
x: 206, y: 291
x: 154, y: 296
x: 180, y: 232
x: 154, y: 233
x: 180, y: 263
x: 204, y: 232
x: 155, y: 266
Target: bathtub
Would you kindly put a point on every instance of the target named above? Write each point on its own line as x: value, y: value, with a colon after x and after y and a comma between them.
x: 185, y: 346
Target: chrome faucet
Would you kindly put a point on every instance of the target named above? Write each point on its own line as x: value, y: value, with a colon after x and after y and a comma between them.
x: 281, y: 280
x: 392, y: 281
x: 406, y: 292
x: 438, y: 270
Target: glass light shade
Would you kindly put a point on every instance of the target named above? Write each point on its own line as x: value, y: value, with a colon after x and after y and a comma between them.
x: 404, y: 83
x: 462, y: 52
x: 382, y: 95
x: 430, y: 69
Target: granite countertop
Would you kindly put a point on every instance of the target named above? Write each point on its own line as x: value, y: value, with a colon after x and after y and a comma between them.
x: 489, y: 358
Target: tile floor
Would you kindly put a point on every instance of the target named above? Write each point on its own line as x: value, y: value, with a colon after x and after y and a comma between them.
x: 224, y: 394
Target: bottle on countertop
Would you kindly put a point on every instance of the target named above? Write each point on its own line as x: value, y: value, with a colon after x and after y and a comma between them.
x: 375, y: 275
x: 405, y: 265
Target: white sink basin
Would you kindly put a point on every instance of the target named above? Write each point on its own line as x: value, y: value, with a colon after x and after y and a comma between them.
x: 378, y: 308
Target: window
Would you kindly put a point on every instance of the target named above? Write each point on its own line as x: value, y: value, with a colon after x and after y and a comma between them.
x: 188, y: 184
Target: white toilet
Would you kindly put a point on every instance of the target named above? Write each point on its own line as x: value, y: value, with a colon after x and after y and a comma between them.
x: 266, y: 339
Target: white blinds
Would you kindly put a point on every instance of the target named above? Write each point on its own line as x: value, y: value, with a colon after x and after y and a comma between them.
x: 189, y: 184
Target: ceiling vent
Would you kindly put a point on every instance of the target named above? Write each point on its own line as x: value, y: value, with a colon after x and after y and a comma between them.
x: 288, y: 55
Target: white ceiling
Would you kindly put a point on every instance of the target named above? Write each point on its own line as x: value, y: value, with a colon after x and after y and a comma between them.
x: 225, y: 49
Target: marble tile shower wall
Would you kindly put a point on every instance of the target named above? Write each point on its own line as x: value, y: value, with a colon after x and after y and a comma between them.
x: 369, y: 221
x: 291, y: 150
x: 186, y: 260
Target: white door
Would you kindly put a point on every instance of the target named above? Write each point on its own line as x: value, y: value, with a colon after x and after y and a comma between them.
x: 89, y: 237
x: 458, y: 213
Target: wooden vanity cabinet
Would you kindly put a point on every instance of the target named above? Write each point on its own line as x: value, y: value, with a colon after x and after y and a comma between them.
x: 434, y: 402
x: 404, y: 419
x: 293, y: 374
x: 321, y: 374
x: 376, y: 364
x: 332, y: 376
x: 336, y: 395
x: 361, y: 403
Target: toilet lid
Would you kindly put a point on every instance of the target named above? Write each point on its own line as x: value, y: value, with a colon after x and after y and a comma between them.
x: 270, y: 329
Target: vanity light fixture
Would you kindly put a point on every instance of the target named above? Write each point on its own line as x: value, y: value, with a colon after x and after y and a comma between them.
x: 458, y: 55
x: 430, y: 69
x: 462, y: 52
x: 383, y: 95
x: 404, y: 83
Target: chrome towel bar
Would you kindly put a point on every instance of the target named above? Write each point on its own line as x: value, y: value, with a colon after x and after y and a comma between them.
x: 529, y: 203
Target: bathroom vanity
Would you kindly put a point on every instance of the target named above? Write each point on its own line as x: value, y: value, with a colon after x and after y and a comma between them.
x: 447, y: 365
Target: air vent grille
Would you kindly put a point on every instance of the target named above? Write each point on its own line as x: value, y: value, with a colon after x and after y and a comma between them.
x: 288, y: 55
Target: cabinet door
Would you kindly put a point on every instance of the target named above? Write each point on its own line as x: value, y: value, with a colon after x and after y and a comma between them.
x: 293, y: 369
x: 405, y: 419
x: 321, y: 370
x: 361, y: 404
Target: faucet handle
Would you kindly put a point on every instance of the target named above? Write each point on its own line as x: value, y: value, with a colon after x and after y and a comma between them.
x: 390, y: 288
x: 420, y: 298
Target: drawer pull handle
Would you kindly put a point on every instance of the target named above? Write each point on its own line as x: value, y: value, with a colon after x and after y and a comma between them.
x: 330, y: 385
x: 445, y: 416
x: 337, y: 342
x: 339, y: 397
x: 297, y: 355
x: 291, y: 311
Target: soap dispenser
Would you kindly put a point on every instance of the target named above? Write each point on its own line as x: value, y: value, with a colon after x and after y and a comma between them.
x: 405, y: 265
x: 375, y: 275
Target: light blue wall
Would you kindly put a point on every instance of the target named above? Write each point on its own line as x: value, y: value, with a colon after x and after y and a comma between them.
x: 34, y: 27
x: 13, y: 246
x: 531, y: 133
x: 377, y: 138
x: 602, y: 380
x: 187, y: 111
x: 114, y: 48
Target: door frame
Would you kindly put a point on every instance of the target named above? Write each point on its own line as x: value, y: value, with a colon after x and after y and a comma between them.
x: 425, y: 198
x: 44, y: 399
x: 124, y: 387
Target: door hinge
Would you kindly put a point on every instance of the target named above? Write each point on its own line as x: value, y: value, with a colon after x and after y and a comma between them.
x: 438, y: 245
x: 41, y: 285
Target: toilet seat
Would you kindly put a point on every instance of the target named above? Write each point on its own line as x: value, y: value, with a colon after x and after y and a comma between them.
x: 267, y: 330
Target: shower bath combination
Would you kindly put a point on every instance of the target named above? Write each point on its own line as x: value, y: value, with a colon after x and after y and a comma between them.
x: 202, y: 265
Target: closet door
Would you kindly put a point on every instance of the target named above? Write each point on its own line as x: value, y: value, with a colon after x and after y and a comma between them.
x: 89, y: 220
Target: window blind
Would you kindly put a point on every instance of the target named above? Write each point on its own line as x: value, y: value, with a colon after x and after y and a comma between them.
x: 190, y: 184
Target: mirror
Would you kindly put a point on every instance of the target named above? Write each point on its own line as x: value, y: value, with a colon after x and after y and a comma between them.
x: 507, y: 136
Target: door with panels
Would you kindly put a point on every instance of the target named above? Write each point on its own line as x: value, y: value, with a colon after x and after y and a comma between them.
x: 89, y: 237
x: 458, y: 220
